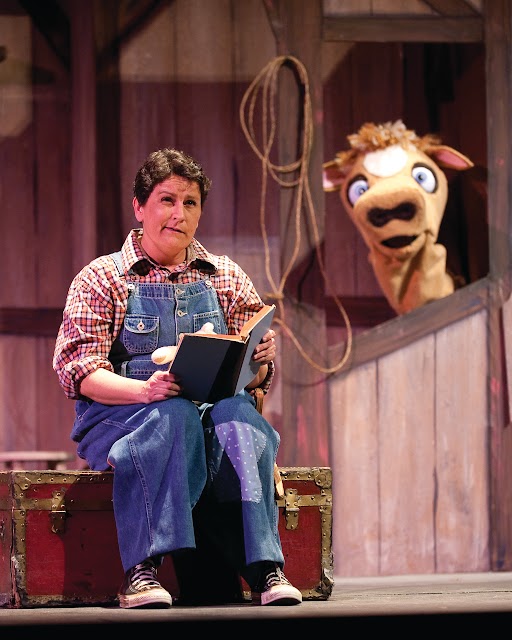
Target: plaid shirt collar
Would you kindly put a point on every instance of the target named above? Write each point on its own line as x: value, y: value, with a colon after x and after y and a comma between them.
x: 132, y: 254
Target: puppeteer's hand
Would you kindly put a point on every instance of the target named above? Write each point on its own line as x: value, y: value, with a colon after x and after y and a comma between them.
x: 163, y: 355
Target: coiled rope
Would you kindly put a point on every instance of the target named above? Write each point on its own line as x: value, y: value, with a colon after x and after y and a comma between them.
x: 266, y: 82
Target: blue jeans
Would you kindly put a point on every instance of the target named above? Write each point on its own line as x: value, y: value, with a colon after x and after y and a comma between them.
x: 168, y: 454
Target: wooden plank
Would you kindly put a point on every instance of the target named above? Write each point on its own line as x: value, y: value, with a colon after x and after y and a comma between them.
x: 305, y: 407
x: 391, y: 29
x: 403, y: 330
x: 256, y: 243
x: 48, y: 459
x: 37, y: 321
x: 377, y: 29
x: 345, y: 252
x: 56, y: 413
x: 257, y: 193
x: 23, y: 211
x: 452, y: 7
x: 83, y: 144
x: 432, y: 458
x: 409, y: 7
x: 354, y: 448
x: 364, y: 311
x: 498, y: 33
x: 18, y: 419
x: 108, y: 128
x: 206, y: 115
x: 53, y: 24
x: 506, y: 311
x: 407, y: 459
x: 18, y: 243
x: 461, y: 436
x: 54, y: 214
x: 147, y: 66
x: 499, y: 93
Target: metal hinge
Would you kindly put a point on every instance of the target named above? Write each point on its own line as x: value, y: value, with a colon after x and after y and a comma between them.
x: 291, y: 509
x: 58, y: 513
x: 292, y: 502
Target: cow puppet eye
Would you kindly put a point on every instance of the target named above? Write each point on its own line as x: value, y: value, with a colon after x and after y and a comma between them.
x: 425, y: 177
x: 356, y: 189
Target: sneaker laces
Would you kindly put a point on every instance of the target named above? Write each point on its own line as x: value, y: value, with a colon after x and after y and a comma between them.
x: 275, y: 578
x: 144, y: 575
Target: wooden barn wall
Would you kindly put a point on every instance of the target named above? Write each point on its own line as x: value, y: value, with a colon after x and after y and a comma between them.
x: 160, y: 86
x: 409, y: 443
x: 406, y: 433
x: 35, y: 189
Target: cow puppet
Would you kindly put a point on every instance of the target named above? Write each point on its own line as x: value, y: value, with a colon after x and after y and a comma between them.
x: 392, y: 186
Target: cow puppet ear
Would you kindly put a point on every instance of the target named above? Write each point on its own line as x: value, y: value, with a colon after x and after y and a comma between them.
x: 449, y: 157
x: 332, y: 176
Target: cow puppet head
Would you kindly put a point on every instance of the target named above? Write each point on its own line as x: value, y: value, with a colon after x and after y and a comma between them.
x: 392, y: 186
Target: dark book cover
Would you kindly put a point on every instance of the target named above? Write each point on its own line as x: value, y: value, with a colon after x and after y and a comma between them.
x: 215, y: 366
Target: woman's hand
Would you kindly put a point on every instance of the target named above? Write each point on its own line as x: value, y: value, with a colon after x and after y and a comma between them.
x: 265, y: 352
x: 108, y: 387
x: 160, y: 386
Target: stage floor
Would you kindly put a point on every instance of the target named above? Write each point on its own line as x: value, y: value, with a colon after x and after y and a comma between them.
x: 384, y: 603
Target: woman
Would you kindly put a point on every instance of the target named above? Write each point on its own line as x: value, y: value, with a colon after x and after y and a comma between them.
x: 169, y: 453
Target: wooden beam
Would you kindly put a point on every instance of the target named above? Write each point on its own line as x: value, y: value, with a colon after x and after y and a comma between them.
x: 498, y: 30
x: 411, y: 29
x: 452, y: 7
x: 53, y: 23
x: 83, y: 144
x: 404, y: 330
x: 305, y: 402
x: 367, y: 311
x: 36, y: 322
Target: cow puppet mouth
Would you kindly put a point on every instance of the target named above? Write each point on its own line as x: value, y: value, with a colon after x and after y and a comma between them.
x: 398, y: 242
x: 405, y: 211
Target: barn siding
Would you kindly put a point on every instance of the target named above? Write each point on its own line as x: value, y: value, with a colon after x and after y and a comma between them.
x: 409, y: 454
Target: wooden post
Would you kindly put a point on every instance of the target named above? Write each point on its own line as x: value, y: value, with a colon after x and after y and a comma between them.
x: 305, y: 427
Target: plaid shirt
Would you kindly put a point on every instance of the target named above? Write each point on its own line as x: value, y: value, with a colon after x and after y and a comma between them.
x: 97, y: 298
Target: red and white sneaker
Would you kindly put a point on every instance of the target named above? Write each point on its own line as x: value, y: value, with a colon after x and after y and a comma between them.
x: 140, y: 588
x: 274, y: 588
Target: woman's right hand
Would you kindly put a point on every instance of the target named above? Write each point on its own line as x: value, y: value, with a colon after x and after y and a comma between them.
x: 110, y: 388
x: 160, y: 386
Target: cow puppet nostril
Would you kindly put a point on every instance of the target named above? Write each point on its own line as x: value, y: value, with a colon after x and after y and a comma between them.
x: 379, y: 217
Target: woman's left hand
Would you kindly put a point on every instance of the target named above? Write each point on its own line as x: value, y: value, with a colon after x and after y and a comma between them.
x: 265, y: 352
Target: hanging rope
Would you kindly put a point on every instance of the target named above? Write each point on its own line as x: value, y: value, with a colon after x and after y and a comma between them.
x: 266, y: 83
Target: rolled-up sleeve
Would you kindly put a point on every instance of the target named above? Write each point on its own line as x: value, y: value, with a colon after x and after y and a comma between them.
x: 92, y: 317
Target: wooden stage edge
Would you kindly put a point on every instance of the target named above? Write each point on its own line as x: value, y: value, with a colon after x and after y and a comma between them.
x: 383, y: 603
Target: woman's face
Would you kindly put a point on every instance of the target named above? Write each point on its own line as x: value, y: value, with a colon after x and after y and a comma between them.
x: 170, y: 218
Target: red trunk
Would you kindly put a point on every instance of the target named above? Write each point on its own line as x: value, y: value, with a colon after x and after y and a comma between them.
x: 58, y: 543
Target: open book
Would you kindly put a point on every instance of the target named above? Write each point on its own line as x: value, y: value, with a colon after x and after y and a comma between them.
x: 213, y: 366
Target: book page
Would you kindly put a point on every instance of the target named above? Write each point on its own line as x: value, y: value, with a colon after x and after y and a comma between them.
x: 257, y: 317
x: 249, y: 368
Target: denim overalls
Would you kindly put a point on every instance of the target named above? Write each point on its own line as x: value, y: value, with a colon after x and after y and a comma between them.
x: 169, y: 454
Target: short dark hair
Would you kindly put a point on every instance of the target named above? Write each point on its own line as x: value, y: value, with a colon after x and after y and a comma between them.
x: 161, y: 164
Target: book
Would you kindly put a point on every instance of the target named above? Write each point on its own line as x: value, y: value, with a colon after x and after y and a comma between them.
x: 213, y: 366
